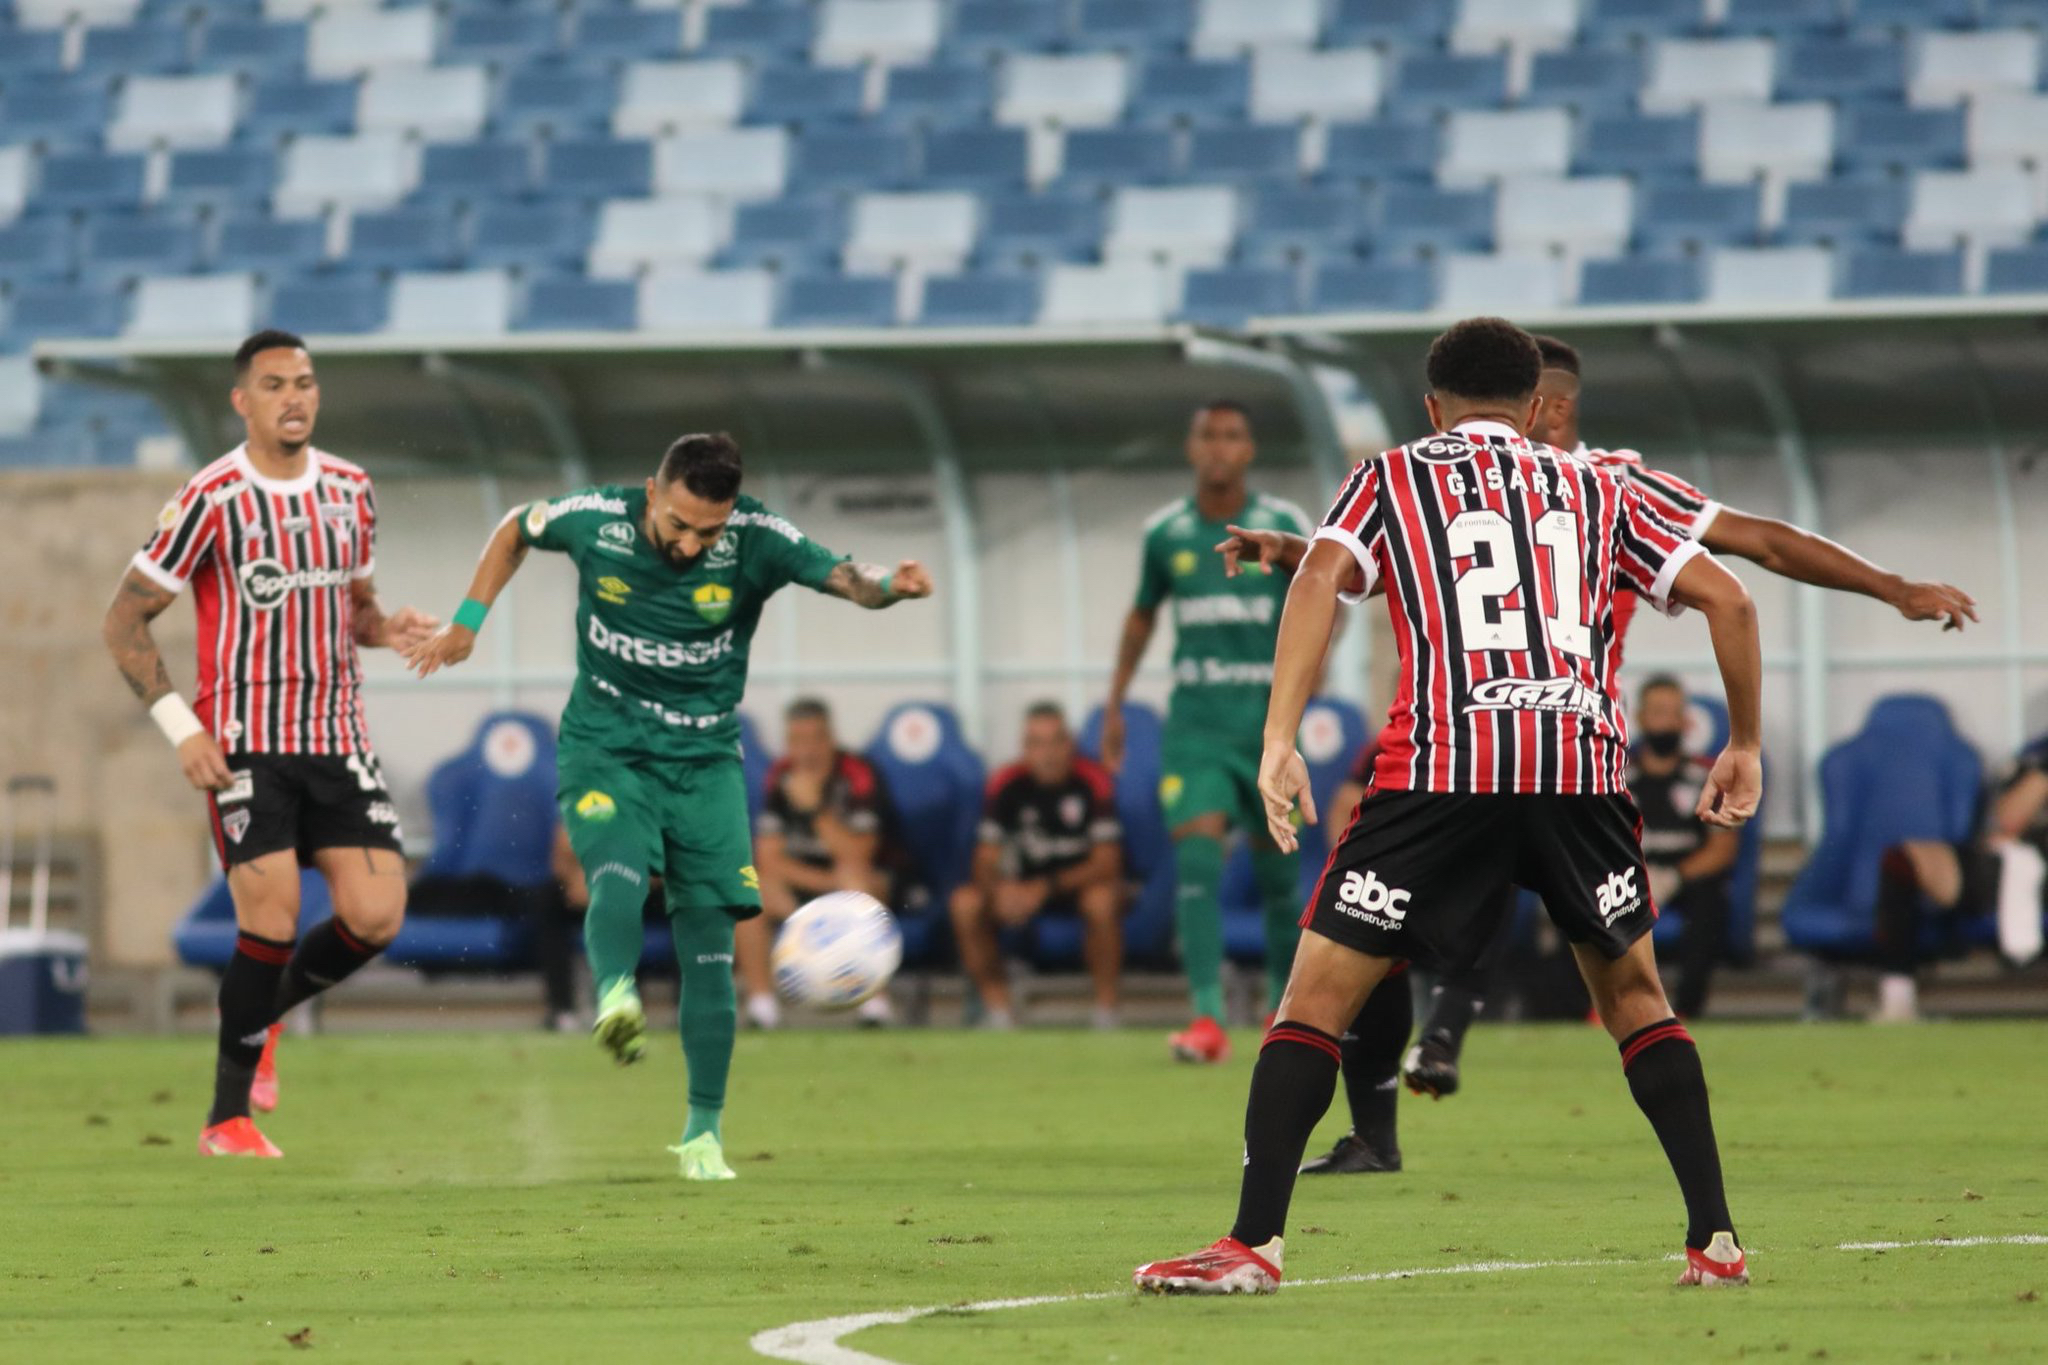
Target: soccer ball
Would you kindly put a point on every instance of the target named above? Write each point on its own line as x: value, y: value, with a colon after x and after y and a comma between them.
x: 837, y: 951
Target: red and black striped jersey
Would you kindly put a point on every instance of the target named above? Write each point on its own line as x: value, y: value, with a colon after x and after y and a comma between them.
x: 1502, y: 560
x: 1677, y: 501
x: 271, y: 563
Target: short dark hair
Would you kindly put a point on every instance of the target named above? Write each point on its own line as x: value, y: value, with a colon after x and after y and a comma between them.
x: 1046, y: 710
x: 1484, y: 358
x: 269, y: 339
x: 708, y: 463
x: 1659, y: 680
x: 1227, y: 405
x: 808, y: 708
x: 1557, y: 355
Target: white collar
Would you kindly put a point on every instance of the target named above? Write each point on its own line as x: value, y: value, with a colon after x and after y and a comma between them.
x: 1486, y: 426
x: 286, y: 487
x: 1582, y: 453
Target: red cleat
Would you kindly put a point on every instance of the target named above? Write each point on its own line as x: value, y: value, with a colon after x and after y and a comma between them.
x: 1226, y: 1267
x: 1721, y: 1263
x: 1202, y: 1041
x: 263, y: 1090
x: 236, y: 1137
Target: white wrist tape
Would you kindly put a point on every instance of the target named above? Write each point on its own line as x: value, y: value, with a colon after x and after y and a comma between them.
x: 174, y: 717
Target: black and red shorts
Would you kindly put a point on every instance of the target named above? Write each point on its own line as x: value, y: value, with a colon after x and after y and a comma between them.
x: 304, y: 803
x: 1423, y: 875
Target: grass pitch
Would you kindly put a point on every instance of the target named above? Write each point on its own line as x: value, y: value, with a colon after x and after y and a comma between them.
x: 507, y: 1198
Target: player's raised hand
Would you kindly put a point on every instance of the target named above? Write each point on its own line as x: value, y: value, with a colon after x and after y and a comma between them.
x: 1283, y: 783
x: 910, y: 580
x: 407, y: 627
x: 1941, y: 602
x: 1733, y: 789
x: 449, y: 645
x: 1273, y: 551
x: 206, y: 767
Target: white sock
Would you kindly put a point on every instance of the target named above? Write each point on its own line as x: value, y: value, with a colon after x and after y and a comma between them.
x: 1897, y: 996
x: 764, y: 1011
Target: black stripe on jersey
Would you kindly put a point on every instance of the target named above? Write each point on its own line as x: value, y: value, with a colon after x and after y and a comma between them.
x: 1436, y: 521
x: 234, y: 527
x: 1340, y: 507
x: 1645, y: 554
x: 1592, y: 511
x: 272, y: 716
x: 1415, y: 610
x: 1538, y: 658
x: 182, y: 535
x: 307, y: 506
x: 1667, y: 488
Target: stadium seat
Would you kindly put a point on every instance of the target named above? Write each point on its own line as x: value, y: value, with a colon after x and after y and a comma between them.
x: 1842, y: 68
x: 499, y: 35
x: 451, y: 303
x: 851, y: 158
x: 976, y: 158
x: 556, y: 234
x: 1893, y: 137
x: 1025, y: 231
x: 444, y: 104
x: 402, y: 239
x: 932, y: 231
x: 476, y: 170
x: 493, y: 804
x: 1866, y: 809
x: 1289, y: 84
x: 1951, y: 67
x: 1868, y: 208
x: 1388, y: 23
x: 1147, y: 844
x: 1788, y: 141
x: 667, y: 97
x: 1686, y: 214
x: 290, y: 107
x: 20, y: 395
x: 633, y: 233
x: 1248, y: 151
x: 674, y: 299
x: 65, y: 310
x: 373, y: 170
x: 1915, y: 14
x: 1425, y: 219
x: 1125, y: 292
x: 1582, y: 215
x: 884, y: 32
x: 556, y: 99
x: 628, y: 34
x: 352, y: 42
x: 788, y: 235
x: 1086, y: 90
x: 838, y: 301
x: 269, y: 246
x: 119, y: 247
x: 251, y: 47
x: 736, y: 163
x: 1229, y: 295
x: 1185, y: 225
x: 1106, y: 157
x: 955, y: 95
x: 194, y: 306
x: 2008, y: 129
x: 598, y: 168
x: 986, y: 28
x: 135, y: 49
x: 1225, y: 27
x: 1372, y: 287
x: 2017, y: 270
x: 936, y: 783
x: 1507, y: 282
x: 174, y: 111
x: 1640, y: 279
x: 979, y: 301
x: 1484, y: 145
x: 219, y: 178
x: 1586, y: 78
x: 35, y: 249
x: 1173, y: 88
x: 29, y: 50
x: 1992, y: 207
x: 342, y: 304
x: 1783, y: 16
x: 1381, y: 149
x: 1770, y: 276
x: 759, y: 31
x: 1643, y: 19
x: 1639, y: 144
x: 63, y: 111
x: 1442, y: 81
x: 572, y: 303
x: 1288, y: 224
x: 806, y: 94
x: 1686, y: 73
x: 1882, y: 272
x: 91, y: 180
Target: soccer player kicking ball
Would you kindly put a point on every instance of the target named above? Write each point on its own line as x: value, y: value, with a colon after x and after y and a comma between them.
x: 671, y: 579
x: 1502, y: 762
x: 277, y: 539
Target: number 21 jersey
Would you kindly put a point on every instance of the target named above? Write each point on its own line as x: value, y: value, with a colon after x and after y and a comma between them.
x: 1501, y: 560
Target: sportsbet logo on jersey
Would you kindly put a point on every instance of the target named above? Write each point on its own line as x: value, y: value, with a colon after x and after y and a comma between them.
x: 1364, y: 896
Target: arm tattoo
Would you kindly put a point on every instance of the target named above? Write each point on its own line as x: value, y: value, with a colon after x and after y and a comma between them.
x: 860, y: 584
x: 126, y: 632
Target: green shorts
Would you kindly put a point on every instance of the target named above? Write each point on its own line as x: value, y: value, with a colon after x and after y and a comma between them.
x: 1200, y: 774
x: 686, y: 822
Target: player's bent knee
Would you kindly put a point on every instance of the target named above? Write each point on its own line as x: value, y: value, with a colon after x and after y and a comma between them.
x: 375, y: 918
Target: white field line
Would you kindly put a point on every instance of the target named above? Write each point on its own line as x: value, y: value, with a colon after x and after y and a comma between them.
x: 817, y: 1342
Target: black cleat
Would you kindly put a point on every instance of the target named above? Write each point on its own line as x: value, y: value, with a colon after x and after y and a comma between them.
x: 1431, y: 1068
x: 1353, y: 1155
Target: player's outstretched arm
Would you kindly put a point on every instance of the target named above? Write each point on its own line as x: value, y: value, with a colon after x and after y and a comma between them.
x: 1735, y: 787
x: 1807, y: 558
x: 1131, y: 644
x: 373, y: 629
x: 126, y: 631
x: 1305, y: 628
x: 503, y: 553
x: 1274, y: 551
x: 874, y: 587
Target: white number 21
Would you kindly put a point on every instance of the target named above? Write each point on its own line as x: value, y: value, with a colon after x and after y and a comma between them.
x: 1482, y: 587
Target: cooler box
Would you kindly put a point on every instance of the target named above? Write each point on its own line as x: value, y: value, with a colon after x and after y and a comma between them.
x: 42, y: 981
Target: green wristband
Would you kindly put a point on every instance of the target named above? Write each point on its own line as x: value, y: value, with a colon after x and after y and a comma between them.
x: 470, y: 615
x: 888, y: 582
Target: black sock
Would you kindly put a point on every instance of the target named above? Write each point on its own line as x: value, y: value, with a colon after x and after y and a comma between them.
x: 1453, y: 1005
x: 326, y: 956
x: 1372, y: 1061
x: 1670, y: 1087
x: 248, y: 992
x: 1292, y: 1084
x: 1897, y: 926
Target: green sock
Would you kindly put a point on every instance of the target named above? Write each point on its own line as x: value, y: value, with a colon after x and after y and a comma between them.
x: 1279, y: 880
x: 611, y: 926
x: 1198, y: 871
x: 708, y: 1015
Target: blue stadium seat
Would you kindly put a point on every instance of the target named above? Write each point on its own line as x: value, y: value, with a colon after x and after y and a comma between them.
x: 1249, y: 151
x: 1381, y: 149
x: 1783, y: 16
x: 1641, y: 19
x: 331, y: 303
x: 136, y: 49
x: 65, y: 310
x: 1894, y: 137
x: 1640, y: 144
x: 806, y: 94
x: 1881, y: 272
x: 1641, y: 279
x: 402, y: 239
x: 979, y: 301
x: 252, y: 47
x: 756, y: 758
x: 1378, y: 286
x: 1398, y: 24
x: 53, y: 108
x: 1136, y: 24
x: 1173, y: 87
x: 624, y: 35
x: 1025, y: 231
x: 936, y: 783
x: 839, y: 301
x: 1449, y: 80
x: 559, y: 98
x: 120, y: 247
x: 1906, y: 775
x: 220, y: 177
x: 1868, y: 208
x: 1148, y: 845
x: 475, y: 170
x: 271, y: 246
x: 2017, y: 270
x: 851, y: 158
x: 982, y: 28
x: 29, y: 49
x: 499, y: 35
x: 789, y: 235
x: 1586, y: 78
x: 1287, y: 224
x: 534, y: 233
x: 1227, y: 296
x: 976, y: 158
x: 1116, y: 156
x: 1688, y: 214
x: 944, y: 95
x: 599, y: 168
x: 91, y: 180
x: 297, y: 107
x: 1423, y: 218
x: 493, y: 804
x: 1916, y: 14
x: 35, y: 249
x: 760, y: 31
x: 1841, y: 68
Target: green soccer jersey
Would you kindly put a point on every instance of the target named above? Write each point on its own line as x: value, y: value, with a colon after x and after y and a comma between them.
x: 661, y: 652
x: 1224, y: 628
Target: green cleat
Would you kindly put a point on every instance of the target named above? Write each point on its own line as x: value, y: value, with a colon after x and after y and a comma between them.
x: 621, y: 1025
x: 704, y: 1159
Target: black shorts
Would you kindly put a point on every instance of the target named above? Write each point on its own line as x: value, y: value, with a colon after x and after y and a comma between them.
x: 1422, y: 875
x: 302, y: 802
